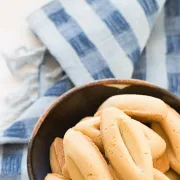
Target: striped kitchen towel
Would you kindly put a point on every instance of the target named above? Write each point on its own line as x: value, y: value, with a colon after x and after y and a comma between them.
x: 96, y: 39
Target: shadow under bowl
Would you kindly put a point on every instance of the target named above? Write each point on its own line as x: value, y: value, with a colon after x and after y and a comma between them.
x: 72, y: 106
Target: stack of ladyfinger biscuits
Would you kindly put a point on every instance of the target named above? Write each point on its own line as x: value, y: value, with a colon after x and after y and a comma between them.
x: 131, y: 137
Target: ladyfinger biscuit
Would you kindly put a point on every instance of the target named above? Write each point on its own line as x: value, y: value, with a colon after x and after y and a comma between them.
x: 171, y: 126
x: 91, y: 128
x: 141, y: 107
x: 83, y: 158
x: 125, y: 145
x: 156, y: 142
x: 174, y: 162
x: 57, y: 160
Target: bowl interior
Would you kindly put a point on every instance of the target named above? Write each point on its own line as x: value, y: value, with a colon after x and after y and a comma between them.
x: 73, y: 107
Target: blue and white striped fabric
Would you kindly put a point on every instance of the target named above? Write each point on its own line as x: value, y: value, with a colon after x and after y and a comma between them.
x: 96, y: 39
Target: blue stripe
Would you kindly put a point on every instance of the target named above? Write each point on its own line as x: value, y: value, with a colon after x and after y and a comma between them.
x: 150, y: 8
x: 172, y: 8
x: 21, y: 129
x: 10, y: 177
x: 174, y: 83
x: 72, y: 32
x: 173, y: 44
x: 18, y: 130
x: 11, y: 159
x: 140, y: 68
x: 172, y: 26
x: 60, y: 87
x: 172, y: 11
x: 118, y: 26
x: 173, y: 69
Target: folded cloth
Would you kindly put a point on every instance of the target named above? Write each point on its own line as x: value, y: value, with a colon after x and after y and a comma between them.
x: 96, y: 39
x: 23, y: 63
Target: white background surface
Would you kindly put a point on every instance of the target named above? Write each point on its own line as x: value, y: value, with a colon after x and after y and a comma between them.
x: 14, y: 31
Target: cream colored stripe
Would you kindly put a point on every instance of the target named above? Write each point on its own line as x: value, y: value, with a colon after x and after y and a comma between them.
x: 156, y: 55
x: 1, y: 155
x: 24, y: 174
x: 160, y: 4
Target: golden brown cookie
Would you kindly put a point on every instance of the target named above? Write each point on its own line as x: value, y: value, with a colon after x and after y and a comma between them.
x: 174, y: 163
x: 55, y: 177
x: 83, y: 159
x: 171, y: 127
x: 125, y: 145
x: 57, y: 160
x: 91, y: 128
x: 140, y: 107
x: 156, y: 142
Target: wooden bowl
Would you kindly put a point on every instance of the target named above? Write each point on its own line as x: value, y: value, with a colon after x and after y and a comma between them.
x: 72, y: 106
